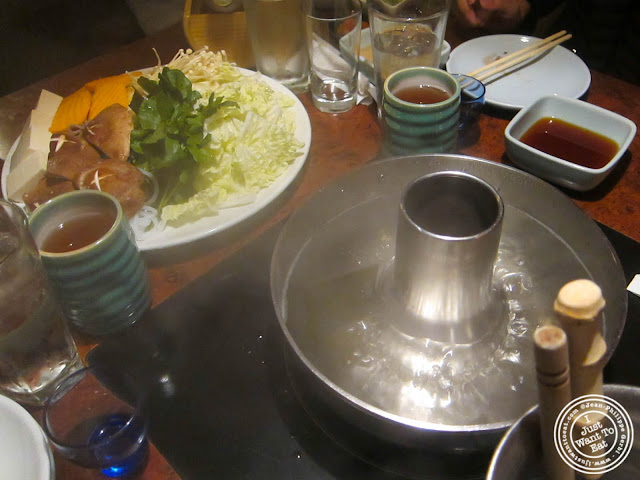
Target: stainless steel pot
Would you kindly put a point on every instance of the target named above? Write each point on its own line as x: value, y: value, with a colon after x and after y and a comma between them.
x: 519, y: 454
x: 335, y: 293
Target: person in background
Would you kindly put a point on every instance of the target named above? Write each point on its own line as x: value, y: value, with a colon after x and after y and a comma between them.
x: 605, y: 32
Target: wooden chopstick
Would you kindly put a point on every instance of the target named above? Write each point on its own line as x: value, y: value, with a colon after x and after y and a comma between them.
x: 519, y: 56
x: 517, y: 53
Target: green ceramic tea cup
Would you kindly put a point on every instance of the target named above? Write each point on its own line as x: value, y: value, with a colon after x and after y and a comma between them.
x: 421, y: 109
x: 91, y: 258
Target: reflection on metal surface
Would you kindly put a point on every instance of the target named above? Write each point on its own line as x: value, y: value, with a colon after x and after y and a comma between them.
x: 519, y: 454
x: 333, y: 290
x: 447, y: 240
x: 350, y: 323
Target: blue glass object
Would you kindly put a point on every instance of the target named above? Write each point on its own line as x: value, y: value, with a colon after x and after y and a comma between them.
x: 119, y: 442
x: 93, y: 427
x: 471, y: 98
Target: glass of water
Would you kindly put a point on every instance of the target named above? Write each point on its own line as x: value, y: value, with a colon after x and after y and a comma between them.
x: 93, y: 427
x: 333, y: 42
x: 276, y: 31
x: 406, y: 34
x: 36, y: 346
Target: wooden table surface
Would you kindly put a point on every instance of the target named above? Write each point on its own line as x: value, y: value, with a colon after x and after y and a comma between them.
x: 339, y: 144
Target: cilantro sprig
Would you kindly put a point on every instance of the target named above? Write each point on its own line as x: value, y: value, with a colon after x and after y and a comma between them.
x: 169, y: 138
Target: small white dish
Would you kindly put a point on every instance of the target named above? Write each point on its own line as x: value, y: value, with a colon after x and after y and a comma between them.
x: 24, y: 450
x: 558, y: 72
x: 577, y: 112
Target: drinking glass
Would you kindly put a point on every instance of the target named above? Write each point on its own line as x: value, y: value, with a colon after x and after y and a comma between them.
x: 333, y: 42
x: 92, y: 427
x: 406, y: 34
x: 219, y: 25
x: 36, y: 346
x: 276, y: 30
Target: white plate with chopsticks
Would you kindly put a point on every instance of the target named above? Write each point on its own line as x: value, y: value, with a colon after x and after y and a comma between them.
x: 557, y: 71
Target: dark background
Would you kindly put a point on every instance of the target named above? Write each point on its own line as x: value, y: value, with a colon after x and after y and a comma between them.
x: 39, y: 38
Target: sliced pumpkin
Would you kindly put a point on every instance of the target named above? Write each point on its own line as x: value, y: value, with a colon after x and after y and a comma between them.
x: 73, y: 110
x: 108, y: 91
x: 112, y: 80
x: 90, y: 100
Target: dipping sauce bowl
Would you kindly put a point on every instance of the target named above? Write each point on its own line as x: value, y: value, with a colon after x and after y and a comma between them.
x: 584, y: 120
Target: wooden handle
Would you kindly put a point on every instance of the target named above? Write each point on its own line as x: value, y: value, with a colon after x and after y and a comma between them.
x: 554, y: 393
x: 578, y: 306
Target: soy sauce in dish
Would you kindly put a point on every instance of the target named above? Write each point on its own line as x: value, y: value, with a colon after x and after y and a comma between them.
x: 78, y: 232
x: 571, y: 143
x: 422, y: 94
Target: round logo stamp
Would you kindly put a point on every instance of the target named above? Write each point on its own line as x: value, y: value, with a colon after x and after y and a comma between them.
x: 593, y: 434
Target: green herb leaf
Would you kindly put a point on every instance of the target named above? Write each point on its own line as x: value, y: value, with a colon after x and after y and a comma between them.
x: 169, y: 137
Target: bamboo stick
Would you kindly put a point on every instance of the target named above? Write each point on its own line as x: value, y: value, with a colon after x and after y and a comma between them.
x: 554, y: 393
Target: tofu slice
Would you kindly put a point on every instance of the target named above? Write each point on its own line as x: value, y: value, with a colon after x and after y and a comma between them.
x: 48, y: 104
x: 26, y: 175
x: 29, y: 159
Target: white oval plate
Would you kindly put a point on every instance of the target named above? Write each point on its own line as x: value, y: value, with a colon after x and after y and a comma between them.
x: 559, y: 72
x: 24, y: 450
x: 228, y: 217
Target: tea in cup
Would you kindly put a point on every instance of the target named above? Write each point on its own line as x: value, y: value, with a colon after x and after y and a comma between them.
x: 421, y: 109
x: 88, y: 250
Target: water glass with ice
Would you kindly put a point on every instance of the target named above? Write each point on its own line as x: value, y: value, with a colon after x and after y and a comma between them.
x: 333, y: 42
x: 36, y: 346
x: 406, y: 34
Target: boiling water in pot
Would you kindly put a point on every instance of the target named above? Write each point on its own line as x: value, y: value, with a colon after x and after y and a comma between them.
x: 341, y: 297
x: 339, y: 308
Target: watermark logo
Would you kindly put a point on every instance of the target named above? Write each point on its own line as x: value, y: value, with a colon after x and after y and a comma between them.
x: 593, y: 434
